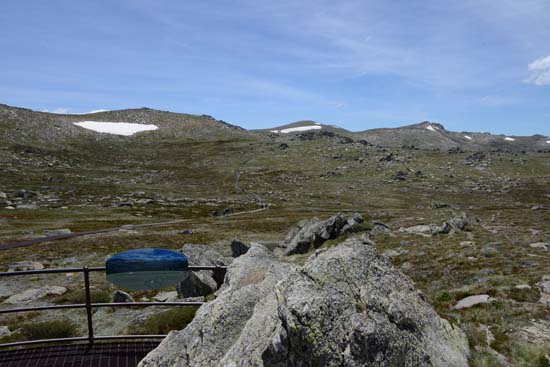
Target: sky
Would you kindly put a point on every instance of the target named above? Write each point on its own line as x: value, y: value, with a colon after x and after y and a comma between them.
x: 471, y: 65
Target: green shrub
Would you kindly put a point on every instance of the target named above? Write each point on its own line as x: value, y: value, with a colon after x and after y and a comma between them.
x: 445, y: 297
x: 79, y: 296
x: 14, y: 337
x: 49, y: 330
x: 162, y: 323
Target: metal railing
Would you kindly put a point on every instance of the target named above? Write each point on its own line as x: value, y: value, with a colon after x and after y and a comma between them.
x: 218, y: 273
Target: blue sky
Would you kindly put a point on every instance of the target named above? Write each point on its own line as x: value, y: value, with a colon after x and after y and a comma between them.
x: 472, y: 65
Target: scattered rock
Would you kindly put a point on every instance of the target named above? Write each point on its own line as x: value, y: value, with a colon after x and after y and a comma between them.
x: 378, y: 229
x: 238, y: 248
x: 467, y: 243
x: 4, y: 331
x: 400, y: 176
x: 461, y: 222
x: 422, y: 229
x: 33, y: 294
x: 311, y: 234
x: 427, y: 229
x: 27, y: 206
x: 26, y: 265
x: 540, y: 245
x: 472, y: 301
x: 58, y: 232
x: 347, y: 306
x: 489, y: 251
x: 24, y: 194
x: 544, y: 288
x: 200, y: 283
x: 166, y: 296
x: 388, y: 158
x: 122, y: 297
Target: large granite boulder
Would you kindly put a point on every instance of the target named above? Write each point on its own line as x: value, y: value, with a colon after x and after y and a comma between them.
x: 200, y: 283
x: 311, y: 234
x: 347, y: 306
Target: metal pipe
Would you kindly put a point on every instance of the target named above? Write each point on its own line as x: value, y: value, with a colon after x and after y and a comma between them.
x: 28, y: 342
x: 91, y: 269
x: 89, y: 314
x: 93, y: 305
x: 42, y: 308
x: 81, y: 339
x: 136, y: 304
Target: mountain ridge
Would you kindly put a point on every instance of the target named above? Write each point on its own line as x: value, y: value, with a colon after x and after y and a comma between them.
x: 22, y: 124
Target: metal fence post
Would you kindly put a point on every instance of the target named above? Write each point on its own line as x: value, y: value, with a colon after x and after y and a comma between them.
x: 88, y: 305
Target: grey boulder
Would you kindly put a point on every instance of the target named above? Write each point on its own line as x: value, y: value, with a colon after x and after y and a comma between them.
x: 347, y: 306
x: 544, y: 288
x: 311, y: 234
x: 122, y: 297
x: 461, y: 222
x: 200, y: 283
x: 25, y: 265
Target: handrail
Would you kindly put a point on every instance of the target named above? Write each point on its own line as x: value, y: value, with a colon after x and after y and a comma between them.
x: 218, y: 275
x: 82, y: 338
x: 91, y: 269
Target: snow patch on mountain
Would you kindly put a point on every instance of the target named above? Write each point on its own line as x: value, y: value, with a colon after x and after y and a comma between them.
x: 509, y: 139
x: 116, y: 128
x: 431, y: 128
x: 468, y: 137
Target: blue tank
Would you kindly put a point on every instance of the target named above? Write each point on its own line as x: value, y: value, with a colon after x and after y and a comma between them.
x: 147, y: 269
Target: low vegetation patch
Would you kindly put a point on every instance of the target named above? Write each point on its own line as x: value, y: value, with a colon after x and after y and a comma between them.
x: 49, y: 330
x: 164, y: 322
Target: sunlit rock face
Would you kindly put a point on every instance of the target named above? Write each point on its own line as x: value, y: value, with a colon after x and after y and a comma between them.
x: 347, y: 306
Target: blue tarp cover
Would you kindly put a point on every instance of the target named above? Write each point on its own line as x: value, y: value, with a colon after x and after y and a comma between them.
x: 147, y: 259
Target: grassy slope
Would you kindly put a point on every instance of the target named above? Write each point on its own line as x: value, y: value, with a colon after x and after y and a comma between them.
x: 292, y: 182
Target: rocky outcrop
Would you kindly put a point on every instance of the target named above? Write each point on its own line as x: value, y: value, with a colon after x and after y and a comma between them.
x: 200, y: 283
x: 461, y: 222
x: 311, y: 234
x: 347, y: 306
x: 238, y: 248
x: 33, y: 294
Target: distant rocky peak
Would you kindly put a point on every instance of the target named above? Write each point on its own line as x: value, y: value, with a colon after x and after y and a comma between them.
x: 430, y: 126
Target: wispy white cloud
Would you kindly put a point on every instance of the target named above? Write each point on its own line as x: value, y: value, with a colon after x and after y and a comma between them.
x: 539, y: 71
x: 496, y: 100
